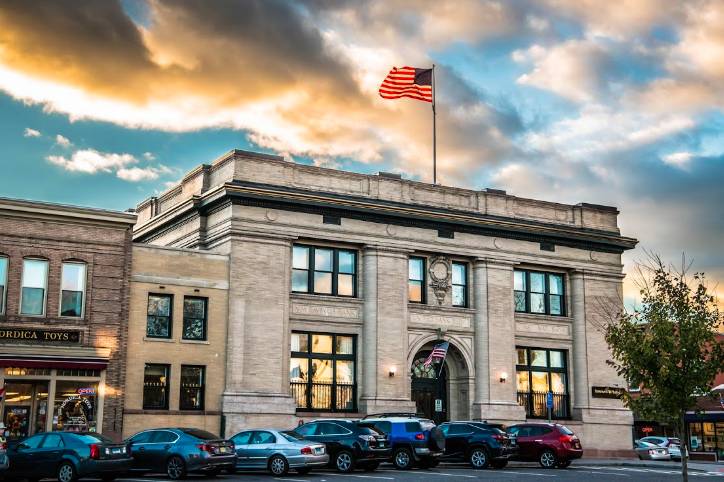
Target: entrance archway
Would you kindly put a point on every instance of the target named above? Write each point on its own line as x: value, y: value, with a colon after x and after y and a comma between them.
x: 441, y: 393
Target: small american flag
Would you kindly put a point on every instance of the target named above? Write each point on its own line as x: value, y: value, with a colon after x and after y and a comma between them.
x: 407, y: 82
x: 438, y: 352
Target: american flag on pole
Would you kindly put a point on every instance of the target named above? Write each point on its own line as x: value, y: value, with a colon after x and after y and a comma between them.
x: 407, y: 82
x: 439, y: 352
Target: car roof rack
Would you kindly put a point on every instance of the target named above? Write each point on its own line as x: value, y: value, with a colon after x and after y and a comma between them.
x: 394, y: 414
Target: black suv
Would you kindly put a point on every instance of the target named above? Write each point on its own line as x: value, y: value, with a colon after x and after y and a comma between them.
x: 480, y: 444
x: 349, y: 443
x: 413, y: 439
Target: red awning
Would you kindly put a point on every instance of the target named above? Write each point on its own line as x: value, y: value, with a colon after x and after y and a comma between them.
x: 54, y: 362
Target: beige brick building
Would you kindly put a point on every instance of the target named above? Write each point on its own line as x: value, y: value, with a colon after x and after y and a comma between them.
x: 339, y: 284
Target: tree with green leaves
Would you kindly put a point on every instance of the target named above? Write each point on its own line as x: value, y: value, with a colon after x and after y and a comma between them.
x: 668, y: 345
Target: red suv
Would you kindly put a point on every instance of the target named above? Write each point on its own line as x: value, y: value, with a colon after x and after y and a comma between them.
x: 551, y: 444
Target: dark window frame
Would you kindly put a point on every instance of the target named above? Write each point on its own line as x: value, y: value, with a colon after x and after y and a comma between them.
x: 45, y: 288
x: 205, y: 320
x: 466, y: 302
x: 166, y: 387
x: 311, y: 269
x: 310, y: 355
x: 202, y: 406
x: 546, y: 294
x: 423, y: 281
x: 83, y: 293
x: 548, y: 369
x: 170, y: 315
x: 4, y: 284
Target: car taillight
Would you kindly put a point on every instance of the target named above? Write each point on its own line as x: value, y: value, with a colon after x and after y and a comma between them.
x: 306, y: 450
x: 367, y: 438
x: 95, y: 451
x: 652, y: 452
x: 420, y: 436
x: 204, y: 447
x: 499, y: 437
x: 3, y: 445
x: 566, y: 439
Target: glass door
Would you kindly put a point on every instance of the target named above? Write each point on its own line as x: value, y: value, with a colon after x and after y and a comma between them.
x: 26, y: 408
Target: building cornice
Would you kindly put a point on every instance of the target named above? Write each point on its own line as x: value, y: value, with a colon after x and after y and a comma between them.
x: 63, y: 212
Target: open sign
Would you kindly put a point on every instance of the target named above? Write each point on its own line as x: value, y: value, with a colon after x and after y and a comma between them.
x: 86, y: 391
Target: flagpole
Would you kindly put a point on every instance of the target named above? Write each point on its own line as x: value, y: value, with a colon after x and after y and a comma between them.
x: 434, y: 131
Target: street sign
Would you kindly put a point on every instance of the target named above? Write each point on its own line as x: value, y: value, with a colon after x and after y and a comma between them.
x: 549, y: 400
x: 438, y: 405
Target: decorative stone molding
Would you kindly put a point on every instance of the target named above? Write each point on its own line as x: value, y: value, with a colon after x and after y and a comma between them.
x: 325, y: 310
x: 543, y: 329
x: 440, y: 272
x: 441, y: 320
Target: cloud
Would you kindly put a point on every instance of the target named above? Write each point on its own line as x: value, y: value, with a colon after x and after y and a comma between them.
x: 31, y: 132
x: 90, y: 161
x: 62, y: 141
x: 136, y: 174
x: 149, y: 156
x: 678, y: 159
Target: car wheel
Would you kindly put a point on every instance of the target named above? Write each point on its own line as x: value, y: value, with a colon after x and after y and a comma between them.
x: 402, y: 458
x: 344, y: 461
x: 304, y: 470
x: 66, y: 473
x: 499, y: 464
x: 278, y: 465
x: 547, y: 459
x: 563, y: 464
x: 175, y: 468
x: 479, y: 458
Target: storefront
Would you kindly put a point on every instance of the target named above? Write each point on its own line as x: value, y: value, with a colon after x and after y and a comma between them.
x: 57, y: 388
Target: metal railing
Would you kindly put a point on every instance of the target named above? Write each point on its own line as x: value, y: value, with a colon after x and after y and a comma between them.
x: 535, y: 405
x: 333, y: 397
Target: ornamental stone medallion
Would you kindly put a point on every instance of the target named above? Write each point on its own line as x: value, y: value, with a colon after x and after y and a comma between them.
x: 440, y: 270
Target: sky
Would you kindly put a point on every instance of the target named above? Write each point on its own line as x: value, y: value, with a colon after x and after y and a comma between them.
x: 617, y: 103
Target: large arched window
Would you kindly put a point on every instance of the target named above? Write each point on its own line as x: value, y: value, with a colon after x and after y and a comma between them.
x: 419, y: 370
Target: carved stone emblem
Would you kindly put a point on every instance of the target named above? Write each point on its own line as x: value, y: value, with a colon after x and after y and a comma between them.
x: 440, y: 271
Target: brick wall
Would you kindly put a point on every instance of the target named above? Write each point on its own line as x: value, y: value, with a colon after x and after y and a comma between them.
x: 105, y: 247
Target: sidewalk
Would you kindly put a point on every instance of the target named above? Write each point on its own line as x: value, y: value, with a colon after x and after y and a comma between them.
x: 698, y: 466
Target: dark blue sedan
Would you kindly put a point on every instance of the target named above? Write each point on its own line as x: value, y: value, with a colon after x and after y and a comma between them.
x: 178, y: 451
x: 67, y: 456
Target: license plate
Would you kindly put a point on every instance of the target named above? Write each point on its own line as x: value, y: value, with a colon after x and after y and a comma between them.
x: 116, y: 451
x: 223, y: 450
x: 512, y: 442
x: 381, y: 444
x: 318, y: 451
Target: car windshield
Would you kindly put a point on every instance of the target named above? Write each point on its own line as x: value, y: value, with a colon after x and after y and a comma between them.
x: 365, y: 430
x: 93, y: 438
x: 291, y: 436
x: 202, y: 434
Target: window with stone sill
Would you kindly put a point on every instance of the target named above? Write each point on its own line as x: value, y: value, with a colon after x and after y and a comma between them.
x: 158, y: 319
x: 193, y: 385
x: 416, y: 285
x: 195, y: 314
x: 156, y: 386
x: 34, y: 287
x: 3, y: 282
x: 72, y: 289
x: 324, y: 271
x: 539, y: 292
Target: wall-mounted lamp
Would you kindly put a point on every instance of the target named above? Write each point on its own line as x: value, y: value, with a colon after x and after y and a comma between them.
x: 393, y: 371
x: 503, y: 377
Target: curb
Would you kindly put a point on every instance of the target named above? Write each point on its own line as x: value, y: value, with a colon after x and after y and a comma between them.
x: 645, y: 465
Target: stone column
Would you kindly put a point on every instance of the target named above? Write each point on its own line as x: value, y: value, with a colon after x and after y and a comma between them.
x: 385, y: 331
x: 257, y: 376
x: 482, y: 367
x: 499, y: 355
x: 580, y: 355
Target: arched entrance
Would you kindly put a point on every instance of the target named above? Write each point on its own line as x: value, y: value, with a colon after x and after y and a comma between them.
x: 441, y: 392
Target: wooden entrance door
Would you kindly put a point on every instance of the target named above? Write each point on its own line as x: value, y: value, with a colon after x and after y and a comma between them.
x: 429, y: 389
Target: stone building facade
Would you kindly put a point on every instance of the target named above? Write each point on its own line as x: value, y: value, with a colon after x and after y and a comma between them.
x: 340, y: 284
x: 63, y: 310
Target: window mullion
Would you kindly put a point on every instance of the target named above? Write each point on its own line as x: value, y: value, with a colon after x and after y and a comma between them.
x: 312, y: 267
x: 335, y: 270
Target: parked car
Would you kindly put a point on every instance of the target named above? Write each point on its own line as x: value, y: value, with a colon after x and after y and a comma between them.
x: 4, y: 459
x: 277, y: 452
x: 67, y: 456
x: 178, y: 451
x: 671, y: 443
x: 480, y: 444
x: 349, y: 443
x: 412, y: 439
x: 650, y: 451
x: 551, y: 444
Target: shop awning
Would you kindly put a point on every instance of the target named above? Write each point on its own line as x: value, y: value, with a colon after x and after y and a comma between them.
x: 42, y: 362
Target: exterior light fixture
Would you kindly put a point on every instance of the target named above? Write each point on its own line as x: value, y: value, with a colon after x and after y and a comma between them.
x: 393, y: 371
x: 503, y: 377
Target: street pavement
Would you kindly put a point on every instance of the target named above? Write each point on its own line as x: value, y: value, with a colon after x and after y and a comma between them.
x: 461, y: 473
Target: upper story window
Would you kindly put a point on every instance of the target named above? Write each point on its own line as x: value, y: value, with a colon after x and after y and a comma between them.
x: 3, y: 282
x: 324, y: 271
x: 158, y: 319
x: 35, y: 283
x: 194, y: 327
x: 538, y: 292
x: 155, y: 386
x: 416, y: 280
x: 459, y: 284
x: 72, y: 289
x: 193, y: 381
